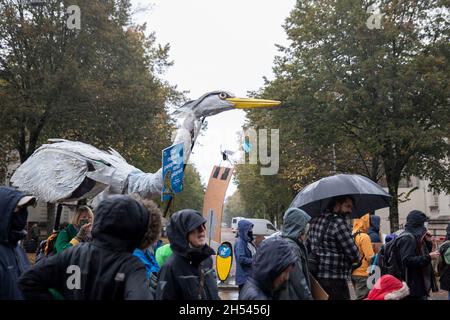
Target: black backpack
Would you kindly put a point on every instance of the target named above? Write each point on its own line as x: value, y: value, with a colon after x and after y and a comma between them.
x: 358, y: 264
x: 390, y: 260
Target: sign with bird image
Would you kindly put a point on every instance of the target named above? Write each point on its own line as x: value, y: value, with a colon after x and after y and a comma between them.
x: 224, y: 260
x: 173, y: 171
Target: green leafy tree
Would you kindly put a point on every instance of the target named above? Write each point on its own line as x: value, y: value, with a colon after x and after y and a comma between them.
x: 234, y: 207
x: 99, y: 84
x: 193, y: 192
x: 263, y: 196
x: 378, y: 97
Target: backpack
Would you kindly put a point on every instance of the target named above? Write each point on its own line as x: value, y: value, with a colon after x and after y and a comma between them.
x: 358, y: 264
x: 389, y: 259
x: 442, y: 265
x: 47, y: 247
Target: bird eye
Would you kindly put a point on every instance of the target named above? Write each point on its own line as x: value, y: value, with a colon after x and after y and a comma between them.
x: 223, y: 95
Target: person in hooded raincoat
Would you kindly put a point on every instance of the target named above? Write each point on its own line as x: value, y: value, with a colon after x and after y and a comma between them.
x: 362, y: 241
x: 244, y: 250
x: 294, y: 231
x: 188, y: 273
x: 103, y: 269
x: 13, y: 259
x: 416, y: 254
x: 272, y: 264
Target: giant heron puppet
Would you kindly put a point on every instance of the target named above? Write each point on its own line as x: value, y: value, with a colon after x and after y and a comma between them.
x: 65, y: 171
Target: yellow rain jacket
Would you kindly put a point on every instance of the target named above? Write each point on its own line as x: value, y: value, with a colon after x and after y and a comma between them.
x: 362, y: 241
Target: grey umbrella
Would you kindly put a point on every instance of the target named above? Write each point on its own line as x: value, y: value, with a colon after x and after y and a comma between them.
x: 368, y: 195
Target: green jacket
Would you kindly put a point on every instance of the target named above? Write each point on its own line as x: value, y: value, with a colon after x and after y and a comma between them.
x: 64, y: 237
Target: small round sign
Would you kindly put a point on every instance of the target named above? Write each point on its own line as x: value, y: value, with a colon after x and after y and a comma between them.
x: 224, y: 260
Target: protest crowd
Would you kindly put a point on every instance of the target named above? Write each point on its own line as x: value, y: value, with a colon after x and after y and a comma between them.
x: 114, y: 252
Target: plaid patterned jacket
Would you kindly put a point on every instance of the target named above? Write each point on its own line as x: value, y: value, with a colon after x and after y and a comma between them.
x: 337, y: 251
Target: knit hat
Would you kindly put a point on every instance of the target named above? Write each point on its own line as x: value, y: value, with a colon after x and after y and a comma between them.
x: 388, y: 288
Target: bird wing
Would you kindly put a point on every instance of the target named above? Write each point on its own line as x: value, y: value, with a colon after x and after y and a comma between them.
x: 56, y: 170
x: 50, y: 174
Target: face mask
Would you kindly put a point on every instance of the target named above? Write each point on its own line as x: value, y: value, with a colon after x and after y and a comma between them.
x: 19, y: 220
x: 17, y: 225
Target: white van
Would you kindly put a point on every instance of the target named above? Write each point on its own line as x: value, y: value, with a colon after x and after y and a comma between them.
x: 234, y: 223
x: 261, y: 227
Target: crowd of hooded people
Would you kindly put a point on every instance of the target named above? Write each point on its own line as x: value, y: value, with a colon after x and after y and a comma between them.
x: 325, y: 249
x: 115, y: 253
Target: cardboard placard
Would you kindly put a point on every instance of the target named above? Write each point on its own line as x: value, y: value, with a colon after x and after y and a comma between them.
x: 316, y: 289
x: 213, y: 202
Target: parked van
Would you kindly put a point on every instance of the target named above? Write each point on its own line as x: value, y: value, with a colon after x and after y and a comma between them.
x: 234, y: 223
x: 262, y: 227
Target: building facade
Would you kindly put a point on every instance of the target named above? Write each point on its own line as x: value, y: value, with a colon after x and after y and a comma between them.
x: 435, y: 205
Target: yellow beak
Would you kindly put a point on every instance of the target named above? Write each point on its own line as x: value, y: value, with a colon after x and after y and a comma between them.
x: 248, y: 103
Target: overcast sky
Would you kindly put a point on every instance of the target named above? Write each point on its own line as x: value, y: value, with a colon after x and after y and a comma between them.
x: 217, y: 45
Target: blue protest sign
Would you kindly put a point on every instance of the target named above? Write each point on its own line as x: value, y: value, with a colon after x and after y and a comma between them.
x: 173, y: 171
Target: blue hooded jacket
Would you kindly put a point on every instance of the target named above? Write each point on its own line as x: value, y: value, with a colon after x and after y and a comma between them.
x: 374, y: 229
x: 242, y: 253
x: 13, y: 259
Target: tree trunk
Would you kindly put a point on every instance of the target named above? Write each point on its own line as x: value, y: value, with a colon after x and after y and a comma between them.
x: 374, y: 175
x: 393, y: 181
x: 51, y: 211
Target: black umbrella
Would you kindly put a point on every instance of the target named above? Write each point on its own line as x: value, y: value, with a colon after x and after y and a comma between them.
x: 368, y: 195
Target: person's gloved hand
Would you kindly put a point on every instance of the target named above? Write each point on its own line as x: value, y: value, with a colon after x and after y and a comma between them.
x: 82, y: 235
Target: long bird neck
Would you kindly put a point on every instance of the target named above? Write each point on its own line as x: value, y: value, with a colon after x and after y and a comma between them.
x: 150, y: 185
x: 186, y: 134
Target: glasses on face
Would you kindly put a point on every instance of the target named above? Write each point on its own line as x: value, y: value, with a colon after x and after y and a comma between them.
x: 201, y: 228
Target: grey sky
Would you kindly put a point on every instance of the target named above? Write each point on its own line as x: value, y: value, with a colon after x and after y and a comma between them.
x: 218, y: 45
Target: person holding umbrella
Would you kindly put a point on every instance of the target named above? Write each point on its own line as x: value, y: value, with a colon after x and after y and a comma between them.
x: 331, y: 201
x: 330, y: 239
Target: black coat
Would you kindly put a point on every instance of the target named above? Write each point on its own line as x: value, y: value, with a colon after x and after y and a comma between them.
x: 415, y: 258
x: 109, y: 271
x: 181, y: 276
x: 444, y: 267
x: 272, y: 257
x: 13, y: 259
x: 298, y: 287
